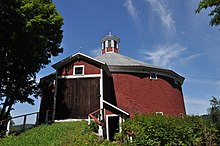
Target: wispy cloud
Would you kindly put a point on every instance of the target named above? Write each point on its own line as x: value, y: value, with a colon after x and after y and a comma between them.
x: 95, y: 52
x: 165, y: 16
x: 164, y: 55
x: 196, y: 101
x: 200, y: 104
x: 218, y: 84
x: 132, y: 11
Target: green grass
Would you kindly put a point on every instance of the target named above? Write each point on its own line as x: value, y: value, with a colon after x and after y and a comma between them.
x: 57, y: 134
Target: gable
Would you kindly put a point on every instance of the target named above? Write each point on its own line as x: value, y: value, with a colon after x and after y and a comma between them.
x: 91, y: 65
x: 88, y: 67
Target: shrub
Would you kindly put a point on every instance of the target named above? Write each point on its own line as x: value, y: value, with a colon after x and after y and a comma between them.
x: 156, y: 130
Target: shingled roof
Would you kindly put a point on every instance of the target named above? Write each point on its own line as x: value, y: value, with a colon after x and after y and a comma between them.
x: 120, y: 63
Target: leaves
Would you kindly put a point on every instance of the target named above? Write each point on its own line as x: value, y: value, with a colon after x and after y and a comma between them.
x: 30, y: 34
x: 154, y: 130
x: 215, y: 12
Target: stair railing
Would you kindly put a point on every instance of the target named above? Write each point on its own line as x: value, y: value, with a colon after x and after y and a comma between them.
x: 95, y: 116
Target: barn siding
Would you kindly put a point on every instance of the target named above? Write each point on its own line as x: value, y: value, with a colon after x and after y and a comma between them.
x: 89, y: 68
x: 137, y: 93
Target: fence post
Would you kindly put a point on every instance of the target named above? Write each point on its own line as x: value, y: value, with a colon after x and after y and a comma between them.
x: 89, y: 120
x: 24, y: 122
x: 46, y: 117
x: 8, y: 127
x: 37, y: 119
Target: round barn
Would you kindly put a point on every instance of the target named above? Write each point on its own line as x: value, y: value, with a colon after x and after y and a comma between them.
x: 113, y: 86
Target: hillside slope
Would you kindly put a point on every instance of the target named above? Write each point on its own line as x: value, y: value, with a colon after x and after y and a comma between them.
x: 62, y: 134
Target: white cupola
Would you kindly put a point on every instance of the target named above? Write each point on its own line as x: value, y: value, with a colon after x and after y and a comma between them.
x: 110, y: 44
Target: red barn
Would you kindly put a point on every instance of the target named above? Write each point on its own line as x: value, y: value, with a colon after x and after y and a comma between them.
x: 112, y: 85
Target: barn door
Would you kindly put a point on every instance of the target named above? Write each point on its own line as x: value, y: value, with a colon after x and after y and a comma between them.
x: 76, y: 98
x: 86, y: 97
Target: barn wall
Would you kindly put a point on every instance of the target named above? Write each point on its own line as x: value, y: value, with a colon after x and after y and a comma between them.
x: 137, y: 93
x: 108, y: 88
x: 89, y: 68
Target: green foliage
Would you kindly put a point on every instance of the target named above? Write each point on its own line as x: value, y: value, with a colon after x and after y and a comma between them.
x: 94, y: 126
x: 69, y: 133
x: 214, y: 114
x: 30, y: 34
x: 156, y: 130
x: 214, y: 111
x: 215, y: 12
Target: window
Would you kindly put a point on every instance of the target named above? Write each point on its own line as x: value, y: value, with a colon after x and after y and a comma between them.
x: 159, y: 113
x: 115, y: 44
x: 176, y: 81
x: 153, y: 76
x: 109, y: 43
x: 79, y: 70
x: 103, y: 45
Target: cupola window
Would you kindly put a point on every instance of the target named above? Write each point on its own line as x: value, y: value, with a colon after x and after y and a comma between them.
x: 79, y: 70
x: 153, y: 76
x: 115, y: 44
x: 109, y: 43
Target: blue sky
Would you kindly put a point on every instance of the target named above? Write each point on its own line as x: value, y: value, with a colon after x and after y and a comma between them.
x: 160, y: 32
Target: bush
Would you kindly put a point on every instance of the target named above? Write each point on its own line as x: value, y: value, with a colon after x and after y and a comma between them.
x: 157, y: 130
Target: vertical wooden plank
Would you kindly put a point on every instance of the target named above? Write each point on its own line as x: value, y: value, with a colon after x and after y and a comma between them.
x: 46, y: 117
x: 8, y: 127
x: 37, y: 119
x: 24, y: 122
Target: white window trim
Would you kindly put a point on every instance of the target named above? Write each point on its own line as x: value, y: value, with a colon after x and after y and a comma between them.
x: 75, y: 66
x: 152, y: 77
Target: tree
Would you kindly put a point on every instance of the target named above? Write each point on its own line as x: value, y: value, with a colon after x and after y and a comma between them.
x: 215, y: 13
x: 214, y: 111
x: 30, y: 34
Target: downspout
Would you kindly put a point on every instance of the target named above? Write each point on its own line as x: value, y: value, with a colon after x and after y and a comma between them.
x: 54, y: 97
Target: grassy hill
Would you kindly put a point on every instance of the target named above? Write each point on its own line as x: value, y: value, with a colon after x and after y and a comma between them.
x: 62, y: 134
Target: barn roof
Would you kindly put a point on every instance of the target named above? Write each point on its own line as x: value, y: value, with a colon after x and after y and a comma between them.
x: 120, y: 63
x: 120, y: 60
x: 76, y: 56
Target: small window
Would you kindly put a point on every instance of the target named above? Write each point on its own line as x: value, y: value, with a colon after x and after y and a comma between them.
x: 159, y: 113
x: 115, y: 44
x: 153, y: 76
x: 78, y: 70
x: 176, y: 81
x: 109, y: 43
x: 103, y: 45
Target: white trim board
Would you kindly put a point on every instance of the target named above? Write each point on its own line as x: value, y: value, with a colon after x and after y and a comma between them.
x: 79, y: 76
x: 115, y: 107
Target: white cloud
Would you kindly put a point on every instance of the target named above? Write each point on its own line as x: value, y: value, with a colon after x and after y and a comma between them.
x: 132, y: 11
x: 191, y: 57
x: 165, y: 55
x: 165, y: 17
x: 95, y: 52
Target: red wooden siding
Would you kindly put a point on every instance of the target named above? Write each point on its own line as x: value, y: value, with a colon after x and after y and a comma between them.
x: 88, y: 68
x: 76, y: 98
x: 138, y: 93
